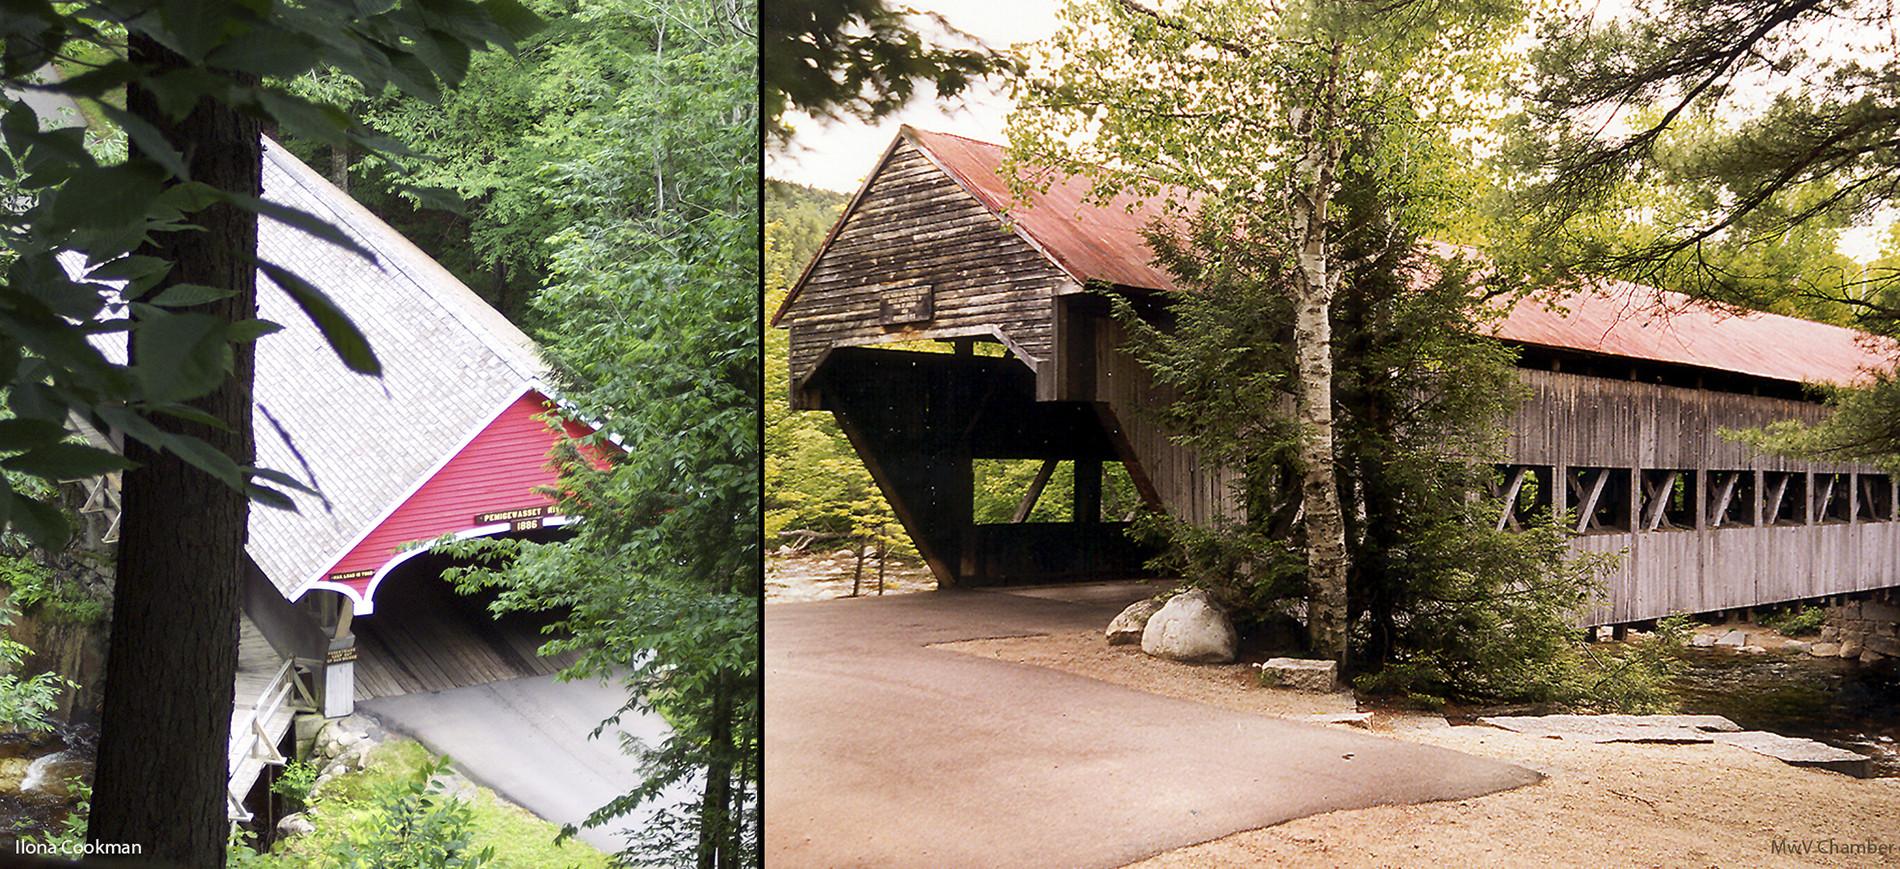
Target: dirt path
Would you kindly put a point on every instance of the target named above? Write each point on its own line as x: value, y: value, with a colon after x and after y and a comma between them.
x: 1602, y: 806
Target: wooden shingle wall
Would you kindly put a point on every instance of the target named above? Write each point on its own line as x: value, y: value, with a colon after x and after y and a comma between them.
x: 915, y: 232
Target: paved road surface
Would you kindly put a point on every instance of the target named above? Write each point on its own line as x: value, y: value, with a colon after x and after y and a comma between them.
x: 881, y: 752
x: 526, y: 739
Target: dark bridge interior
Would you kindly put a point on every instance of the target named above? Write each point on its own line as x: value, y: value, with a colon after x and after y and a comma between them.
x: 918, y: 419
x: 425, y: 637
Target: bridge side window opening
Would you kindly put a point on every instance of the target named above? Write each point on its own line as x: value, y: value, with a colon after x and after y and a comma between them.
x: 1873, y: 501
x: 1784, y: 498
x: 1601, y: 498
x: 1009, y: 491
x: 1730, y: 499
x: 1832, y: 498
x: 1667, y: 500
x: 1523, y: 494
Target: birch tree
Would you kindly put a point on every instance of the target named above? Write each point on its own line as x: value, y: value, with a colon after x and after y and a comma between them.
x: 1240, y: 110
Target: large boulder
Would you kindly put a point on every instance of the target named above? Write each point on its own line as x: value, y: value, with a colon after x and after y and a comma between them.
x: 1189, y: 628
x: 1127, y: 628
x: 294, y: 825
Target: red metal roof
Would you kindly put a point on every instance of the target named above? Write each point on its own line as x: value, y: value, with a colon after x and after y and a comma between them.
x: 1104, y: 243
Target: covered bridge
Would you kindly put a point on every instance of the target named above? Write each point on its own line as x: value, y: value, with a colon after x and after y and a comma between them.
x: 344, y: 599
x: 1631, y: 389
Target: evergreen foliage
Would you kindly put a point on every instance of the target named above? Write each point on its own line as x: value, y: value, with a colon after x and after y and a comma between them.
x: 653, y: 325
x: 1715, y: 147
x: 1441, y: 603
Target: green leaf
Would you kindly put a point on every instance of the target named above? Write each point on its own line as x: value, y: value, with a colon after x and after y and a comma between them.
x: 269, y: 497
x: 109, y: 196
x: 178, y: 91
x: 282, y: 479
x: 139, y: 271
x: 344, y: 337
x: 295, y: 219
x: 20, y: 434
x: 179, y: 356
x: 513, y: 18
x: 42, y: 523
x: 269, y: 52
x: 66, y: 461
x: 204, y: 457
x: 151, y: 143
x: 325, y: 123
x: 187, y: 295
x: 197, y: 26
x: 251, y: 330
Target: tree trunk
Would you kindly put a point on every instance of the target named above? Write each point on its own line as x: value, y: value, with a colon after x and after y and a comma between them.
x: 1314, y: 177
x: 160, y: 778
x: 717, y: 843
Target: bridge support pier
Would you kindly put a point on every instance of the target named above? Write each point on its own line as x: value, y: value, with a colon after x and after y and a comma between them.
x: 339, y: 664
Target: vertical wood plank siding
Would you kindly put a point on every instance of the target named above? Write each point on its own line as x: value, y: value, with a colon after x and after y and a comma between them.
x: 915, y: 226
x: 1188, y: 486
x: 1578, y: 421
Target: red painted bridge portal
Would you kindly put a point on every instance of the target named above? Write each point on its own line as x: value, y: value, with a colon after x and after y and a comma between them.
x: 495, y: 483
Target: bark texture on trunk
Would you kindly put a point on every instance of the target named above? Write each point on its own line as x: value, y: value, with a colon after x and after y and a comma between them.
x: 160, y: 778
x: 1315, y: 280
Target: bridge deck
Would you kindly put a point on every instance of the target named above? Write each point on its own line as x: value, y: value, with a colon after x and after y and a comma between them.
x: 424, y: 637
x: 258, y: 665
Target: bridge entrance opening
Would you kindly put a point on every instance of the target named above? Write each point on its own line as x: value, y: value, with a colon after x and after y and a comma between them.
x: 423, y: 636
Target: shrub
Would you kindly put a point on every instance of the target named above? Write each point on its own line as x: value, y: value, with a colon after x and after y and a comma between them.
x: 24, y: 703
x: 414, y: 825
x: 1795, y: 621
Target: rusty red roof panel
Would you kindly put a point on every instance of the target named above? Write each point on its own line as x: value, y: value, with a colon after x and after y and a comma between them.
x: 1090, y: 242
x: 1636, y: 322
x: 1104, y: 243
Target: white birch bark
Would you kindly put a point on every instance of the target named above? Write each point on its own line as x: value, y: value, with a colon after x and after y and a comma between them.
x: 1315, y: 280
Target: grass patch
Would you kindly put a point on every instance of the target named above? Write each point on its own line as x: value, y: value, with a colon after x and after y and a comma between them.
x: 520, y: 840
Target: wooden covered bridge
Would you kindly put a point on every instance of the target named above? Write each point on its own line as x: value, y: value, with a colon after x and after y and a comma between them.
x: 344, y: 599
x: 1631, y: 390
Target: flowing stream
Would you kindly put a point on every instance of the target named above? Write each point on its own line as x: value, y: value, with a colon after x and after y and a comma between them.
x: 38, y: 772
x: 1794, y: 694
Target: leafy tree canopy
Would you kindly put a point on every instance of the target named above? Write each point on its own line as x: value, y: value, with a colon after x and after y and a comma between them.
x: 68, y: 199
x: 860, y: 58
x: 1715, y: 147
x: 653, y: 325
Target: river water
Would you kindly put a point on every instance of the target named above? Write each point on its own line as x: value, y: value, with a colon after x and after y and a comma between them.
x: 1794, y: 694
x: 37, y: 774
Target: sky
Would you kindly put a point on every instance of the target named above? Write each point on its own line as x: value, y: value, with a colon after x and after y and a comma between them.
x: 836, y: 155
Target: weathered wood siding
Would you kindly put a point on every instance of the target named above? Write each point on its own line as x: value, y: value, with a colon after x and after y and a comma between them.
x: 1187, y: 485
x: 915, y: 231
x: 1584, y: 421
x: 1574, y: 421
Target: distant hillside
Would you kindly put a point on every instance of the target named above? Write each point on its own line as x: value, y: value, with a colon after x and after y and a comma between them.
x: 802, y: 215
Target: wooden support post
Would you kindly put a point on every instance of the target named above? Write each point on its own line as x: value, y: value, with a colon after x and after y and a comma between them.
x: 1088, y: 490
x: 1028, y: 503
x: 1658, y: 497
x: 1512, y: 487
x: 1587, y: 496
x: 1724, y: 496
